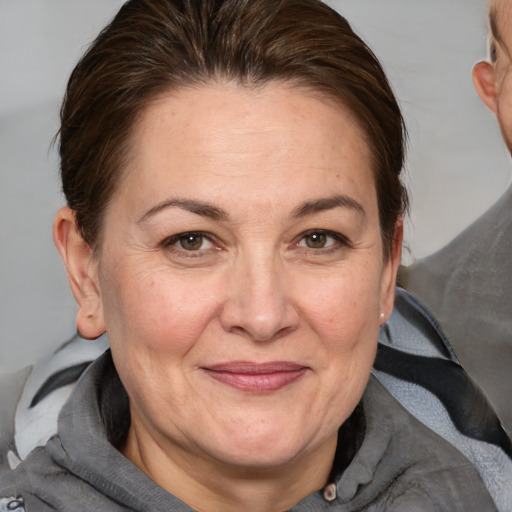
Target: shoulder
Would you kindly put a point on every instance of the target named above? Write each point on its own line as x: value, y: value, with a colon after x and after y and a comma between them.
x: 11, y: 389
x: 31, y: 399
x: 479, y: 254
x: 43, y: 483
x: 19, y: 487
x: 414, y: 467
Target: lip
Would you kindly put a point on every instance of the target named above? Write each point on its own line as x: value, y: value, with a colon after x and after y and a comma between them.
x: 256, y: 377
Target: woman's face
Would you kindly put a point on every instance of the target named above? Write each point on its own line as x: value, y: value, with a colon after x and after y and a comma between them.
x: 241, y: 278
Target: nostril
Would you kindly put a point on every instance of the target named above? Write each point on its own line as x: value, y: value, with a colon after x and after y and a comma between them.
x: 261, y: 336
x: 285, y: 331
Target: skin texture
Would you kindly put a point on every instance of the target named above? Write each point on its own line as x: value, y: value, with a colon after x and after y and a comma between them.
x: 268, y: 289
x: 493, y: 80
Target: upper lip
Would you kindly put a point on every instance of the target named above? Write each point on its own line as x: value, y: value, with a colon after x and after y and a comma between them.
x: 250, y: 367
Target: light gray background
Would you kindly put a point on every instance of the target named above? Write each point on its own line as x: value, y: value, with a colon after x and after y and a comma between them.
x: 457, y: 165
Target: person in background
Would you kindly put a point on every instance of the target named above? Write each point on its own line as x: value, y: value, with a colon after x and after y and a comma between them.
x: 468, y: 283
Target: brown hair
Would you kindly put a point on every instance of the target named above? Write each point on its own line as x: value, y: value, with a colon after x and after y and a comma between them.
x: 153, y: 46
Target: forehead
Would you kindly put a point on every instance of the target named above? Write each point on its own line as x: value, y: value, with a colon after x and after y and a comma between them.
x: 212, y: 118
x: 251, y: 147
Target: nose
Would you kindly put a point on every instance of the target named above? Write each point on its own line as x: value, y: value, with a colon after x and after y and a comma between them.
x: 259, y: 303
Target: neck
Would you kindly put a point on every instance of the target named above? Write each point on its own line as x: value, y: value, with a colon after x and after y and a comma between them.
x: 208, y: 485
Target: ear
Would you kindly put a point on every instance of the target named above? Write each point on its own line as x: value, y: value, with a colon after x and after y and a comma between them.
x: 82, y: 269
x: 389, y: 273
x: 484, y: 80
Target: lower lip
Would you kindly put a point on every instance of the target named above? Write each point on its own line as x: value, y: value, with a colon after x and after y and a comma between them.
x: 257, y: 382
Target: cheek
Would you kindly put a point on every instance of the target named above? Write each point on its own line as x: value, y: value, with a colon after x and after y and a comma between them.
x: 154, y: 324
x: 155, y: 311
x: 344, y: 306
x: 345, y: 317
x: 505, y: 97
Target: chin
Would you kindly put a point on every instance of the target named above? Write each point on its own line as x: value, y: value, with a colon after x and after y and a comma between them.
x: 261, y: 447
x: 270, y: 458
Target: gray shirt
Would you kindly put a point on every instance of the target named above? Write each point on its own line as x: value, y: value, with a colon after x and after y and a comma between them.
x: 401, y: 465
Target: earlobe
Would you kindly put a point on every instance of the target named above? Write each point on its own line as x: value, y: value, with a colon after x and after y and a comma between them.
x: 81, y: 267
x: 484, y: 80
x: 390, y: 271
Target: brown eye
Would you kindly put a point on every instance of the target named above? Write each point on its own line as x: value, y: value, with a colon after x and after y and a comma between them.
x: 315, y: 240
x: 191, y: 242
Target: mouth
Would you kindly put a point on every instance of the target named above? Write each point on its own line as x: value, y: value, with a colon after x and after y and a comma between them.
x: 256, y: 377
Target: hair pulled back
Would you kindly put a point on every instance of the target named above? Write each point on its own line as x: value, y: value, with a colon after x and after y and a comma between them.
x: 155, y: 46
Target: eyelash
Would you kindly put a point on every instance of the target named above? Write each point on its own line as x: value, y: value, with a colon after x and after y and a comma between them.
x: 340, y: 241
x: 174, y: 240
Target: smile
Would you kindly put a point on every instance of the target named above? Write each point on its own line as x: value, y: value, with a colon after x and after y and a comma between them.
x: 256, y: 378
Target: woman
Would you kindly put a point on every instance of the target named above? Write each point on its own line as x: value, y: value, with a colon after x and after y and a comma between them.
x: 234, y: 223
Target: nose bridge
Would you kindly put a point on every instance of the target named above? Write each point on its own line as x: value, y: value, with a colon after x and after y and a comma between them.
x: 264, y: 279
x: 259, y: 304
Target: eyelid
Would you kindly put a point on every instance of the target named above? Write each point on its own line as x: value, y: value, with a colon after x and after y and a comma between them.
x: 338, y: 237
x: 172, y: 241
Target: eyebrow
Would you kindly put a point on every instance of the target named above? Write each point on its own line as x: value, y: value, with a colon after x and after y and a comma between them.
x: 328, y: 203
x: 198, y: 207
x: 205, y: 209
